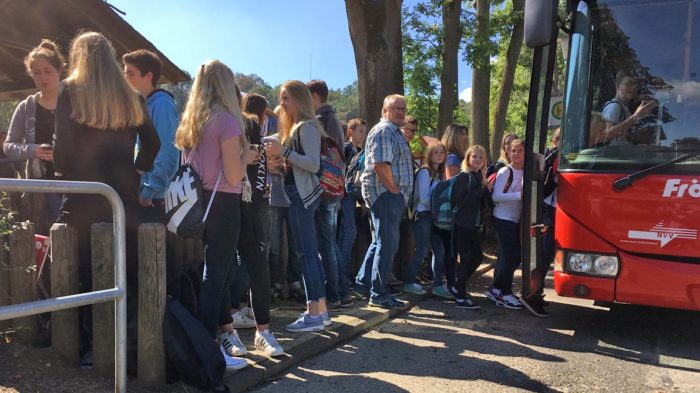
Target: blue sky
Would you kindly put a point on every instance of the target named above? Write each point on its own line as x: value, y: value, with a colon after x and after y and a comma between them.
x: 276, y: 39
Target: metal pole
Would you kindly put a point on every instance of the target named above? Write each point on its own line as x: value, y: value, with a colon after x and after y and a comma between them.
x: 118, y: 294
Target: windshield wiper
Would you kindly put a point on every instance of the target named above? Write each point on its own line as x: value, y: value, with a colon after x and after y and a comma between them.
x: 624, y: 182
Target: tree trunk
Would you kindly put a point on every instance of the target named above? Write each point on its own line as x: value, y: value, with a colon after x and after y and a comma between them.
x: 375, y: 30
x: 481, y: 78
x: 451, y: 11
x: 506, y: 87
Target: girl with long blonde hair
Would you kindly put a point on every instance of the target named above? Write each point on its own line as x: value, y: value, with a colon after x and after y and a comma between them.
x: 98, y: 119
x: 470, y: 192
x: 427, y: 178
x: 299, y: 146
x: 211, y: 137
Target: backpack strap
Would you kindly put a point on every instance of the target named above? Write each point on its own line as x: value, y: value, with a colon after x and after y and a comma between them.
x: 509, y: 182
x: 216, y: 187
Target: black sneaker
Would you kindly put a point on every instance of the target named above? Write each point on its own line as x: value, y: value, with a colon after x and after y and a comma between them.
x: 534, y: 304
x: 544, y: 302
x: 333, y: 305
x: 346, y: 302
x: 395, y: 291
x: 466, y: 304
x: 359, y: 295
x: 392, y: 303
x: 454, y: 292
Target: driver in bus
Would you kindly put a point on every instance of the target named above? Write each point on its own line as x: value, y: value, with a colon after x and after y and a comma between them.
x: 619, y: 120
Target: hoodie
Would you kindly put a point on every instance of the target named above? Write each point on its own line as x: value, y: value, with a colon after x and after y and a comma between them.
x: 161, y: 107
x: 331, y: 125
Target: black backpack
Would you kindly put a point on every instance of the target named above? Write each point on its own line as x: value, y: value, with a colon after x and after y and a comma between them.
x: 184, y: 204
x: 193, y: 355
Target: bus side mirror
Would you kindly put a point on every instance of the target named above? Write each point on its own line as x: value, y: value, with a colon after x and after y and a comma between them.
x: 540, y: 22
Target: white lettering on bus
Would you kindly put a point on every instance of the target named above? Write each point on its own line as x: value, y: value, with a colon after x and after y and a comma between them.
x: 675, y: 188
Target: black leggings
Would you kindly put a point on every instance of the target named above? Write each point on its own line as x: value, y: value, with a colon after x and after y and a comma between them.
x: 220, y: 239
x: 467, y: 243
x: 251, y: 268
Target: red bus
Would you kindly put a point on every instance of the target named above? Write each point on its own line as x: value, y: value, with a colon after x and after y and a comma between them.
x: 628, y: 193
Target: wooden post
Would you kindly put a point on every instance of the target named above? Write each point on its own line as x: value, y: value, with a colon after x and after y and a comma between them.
x: 4, y: 278
x: 102, y: 245
x: 65, y: 335
x: 39, y: 213
x: 152, y: 296
x: 23, y: 278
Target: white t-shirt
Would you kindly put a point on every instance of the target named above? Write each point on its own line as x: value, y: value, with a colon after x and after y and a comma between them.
x: 508, y: 205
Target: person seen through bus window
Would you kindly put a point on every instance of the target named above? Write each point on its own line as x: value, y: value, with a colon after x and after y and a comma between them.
x: 619, y: 120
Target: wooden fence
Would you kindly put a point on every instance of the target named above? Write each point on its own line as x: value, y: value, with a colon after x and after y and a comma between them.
x: 18, y: 284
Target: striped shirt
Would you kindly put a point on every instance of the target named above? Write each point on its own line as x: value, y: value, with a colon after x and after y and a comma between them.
x: 386, y: 144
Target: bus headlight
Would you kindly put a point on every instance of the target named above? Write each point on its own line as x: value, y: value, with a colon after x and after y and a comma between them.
x: 580, y: 263
x: 606, y: 265
x: 595, y: 264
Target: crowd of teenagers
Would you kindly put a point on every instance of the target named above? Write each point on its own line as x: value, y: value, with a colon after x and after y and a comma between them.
x: 262, y: 174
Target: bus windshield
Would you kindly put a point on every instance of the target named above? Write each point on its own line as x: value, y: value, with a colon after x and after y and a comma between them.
x: 633, y: 86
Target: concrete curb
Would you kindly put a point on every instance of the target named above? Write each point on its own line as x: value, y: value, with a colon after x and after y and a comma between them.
x: 344, y: 328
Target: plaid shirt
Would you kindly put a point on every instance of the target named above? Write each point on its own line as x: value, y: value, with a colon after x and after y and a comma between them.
x: 385, y: 143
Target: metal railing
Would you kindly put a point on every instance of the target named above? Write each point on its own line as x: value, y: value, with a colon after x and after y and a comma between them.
x: 116, y: 294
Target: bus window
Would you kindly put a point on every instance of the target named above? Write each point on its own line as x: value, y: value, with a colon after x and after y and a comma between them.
x: 642, y: 82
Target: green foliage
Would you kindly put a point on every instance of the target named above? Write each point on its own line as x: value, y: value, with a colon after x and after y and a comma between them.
x: 422, y: 61
x: 7, y: 108
x: 6, y: 215
x: 346, y: 102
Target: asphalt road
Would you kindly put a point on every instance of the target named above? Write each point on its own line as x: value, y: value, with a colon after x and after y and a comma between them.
x: 581, y: 348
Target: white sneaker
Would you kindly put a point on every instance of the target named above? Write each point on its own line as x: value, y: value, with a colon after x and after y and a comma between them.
x: 233, y: 364
x: 242, y: 321
x: 266, y: 342
x: 232, y: 343
x: 248, y: 312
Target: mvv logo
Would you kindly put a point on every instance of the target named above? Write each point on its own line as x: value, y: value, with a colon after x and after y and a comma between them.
x: 663, y: 235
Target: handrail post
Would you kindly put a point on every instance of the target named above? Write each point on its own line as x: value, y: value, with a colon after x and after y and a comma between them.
x: 117, y: 294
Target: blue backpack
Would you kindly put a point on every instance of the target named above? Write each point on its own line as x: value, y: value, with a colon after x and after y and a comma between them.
x: 353, y: 174
x: 442, y: 204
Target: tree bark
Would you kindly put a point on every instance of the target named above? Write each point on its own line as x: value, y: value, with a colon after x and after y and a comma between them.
x: 375, y: 31
x: 506, y: 87
x: 451, y: 12
x: 481, y: 78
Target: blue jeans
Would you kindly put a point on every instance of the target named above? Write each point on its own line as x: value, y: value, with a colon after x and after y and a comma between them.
x: 509, y: 237
x: 376, y: 268
x: 304, y: 237
x: 426, y: 238
x: 327, y: 225
x: 282, y: 270
x: 346, y: 240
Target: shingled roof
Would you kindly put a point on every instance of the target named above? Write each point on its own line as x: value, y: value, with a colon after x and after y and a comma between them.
x: 23, y: 23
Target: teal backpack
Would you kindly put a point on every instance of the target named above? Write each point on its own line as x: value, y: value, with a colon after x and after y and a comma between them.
x: 442, y: 203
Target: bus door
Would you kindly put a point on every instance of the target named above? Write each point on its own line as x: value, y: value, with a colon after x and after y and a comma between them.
x: 540, y: 34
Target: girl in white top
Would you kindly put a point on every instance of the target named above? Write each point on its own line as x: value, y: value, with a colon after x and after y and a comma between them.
x: 507, y: 197
x: 426, y: 236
